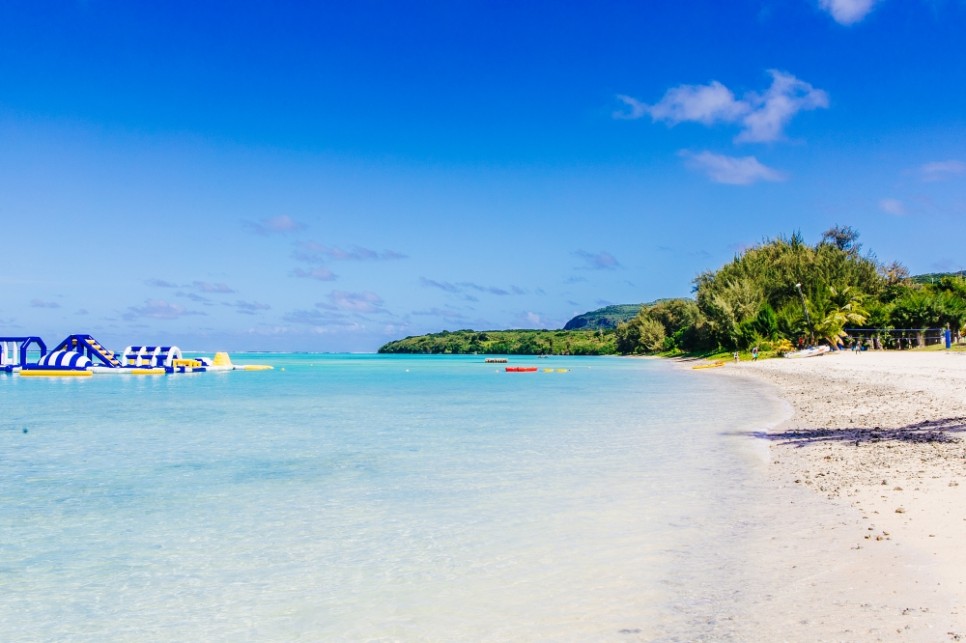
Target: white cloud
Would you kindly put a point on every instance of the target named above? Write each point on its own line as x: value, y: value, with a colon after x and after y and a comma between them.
x: 762, y: 116
x: 707, y: 104
x: 732, y: 170
x: 893, y: 206
x: 941, y: 170
x: 786, y: 97
x: 847, y: 12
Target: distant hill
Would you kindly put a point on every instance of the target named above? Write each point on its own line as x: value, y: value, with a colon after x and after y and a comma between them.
x: 933, y: 277
x: 606, y: 318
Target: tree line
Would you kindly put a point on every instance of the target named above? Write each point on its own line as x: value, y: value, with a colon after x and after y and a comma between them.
x: 508, y: 342
x: 785, y: 293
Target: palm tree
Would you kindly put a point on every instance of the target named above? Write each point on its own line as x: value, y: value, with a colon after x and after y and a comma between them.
x: 841, y: 308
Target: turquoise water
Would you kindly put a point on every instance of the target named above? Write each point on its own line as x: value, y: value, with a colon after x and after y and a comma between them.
x: 374, y: 498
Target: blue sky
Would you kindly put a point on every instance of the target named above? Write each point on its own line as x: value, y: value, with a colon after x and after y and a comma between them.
x: 330, y: 176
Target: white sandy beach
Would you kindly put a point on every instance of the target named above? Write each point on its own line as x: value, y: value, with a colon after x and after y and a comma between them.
x: 866, y: 535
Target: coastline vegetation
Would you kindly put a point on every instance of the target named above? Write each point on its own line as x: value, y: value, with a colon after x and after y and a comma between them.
x: 785, y: 293
x: 508, y: 342
x: 777, y: 296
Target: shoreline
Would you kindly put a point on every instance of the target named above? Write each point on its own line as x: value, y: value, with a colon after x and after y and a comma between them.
x: 863, y: 531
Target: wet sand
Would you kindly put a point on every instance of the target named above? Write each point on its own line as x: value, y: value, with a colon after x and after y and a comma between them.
x: 862, y: 533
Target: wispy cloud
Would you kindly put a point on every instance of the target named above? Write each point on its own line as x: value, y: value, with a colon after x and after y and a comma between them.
x: 319, y: 273
x: 942, y: 170
x: 248, y: 307
x: 160, y: 283
x: 705, y: 104
x: 281, y: 224
x: 493, y: 290
x: 445, y: 286
x: 598, y: 260
x: 773, y: 110
x: 894, y: 207
x: 158, y: 309
x: 314, y: 317
x: 761, y: 116
x: 309, y: 317
x: 312, y: 252
x: 195, y: 297
x: 731, y: 170
x: 690, y: 252
x: 464, y: 286
x: 634, y: 108
x: 535, y: 320
x: 354, y: 302
x: 40, y: 303
x: 847, y: 12
x: 207, y: 287
x: 213, y: 288
x: 947, y: 264
x: 450, y: 315
x: 323, y: 322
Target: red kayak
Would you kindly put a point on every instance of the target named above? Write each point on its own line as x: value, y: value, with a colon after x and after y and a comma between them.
x: 521, y: 369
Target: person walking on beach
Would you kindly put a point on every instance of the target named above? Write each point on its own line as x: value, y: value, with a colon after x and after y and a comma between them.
x: 754, y: 354
x: 736, y: 357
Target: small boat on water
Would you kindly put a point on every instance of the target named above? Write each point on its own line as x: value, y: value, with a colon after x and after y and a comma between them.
x: 496, y: 360
x: 521, y: 369
x: 811, y: 351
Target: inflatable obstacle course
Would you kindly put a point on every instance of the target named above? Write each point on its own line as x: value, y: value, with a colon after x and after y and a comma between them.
x: 59, y: 363
x: 14, y: 351
x: 87, y: 345
x: 82, y: 355
x: 150, y: 356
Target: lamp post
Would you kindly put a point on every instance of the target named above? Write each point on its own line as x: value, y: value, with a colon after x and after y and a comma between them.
x: 804, y: 307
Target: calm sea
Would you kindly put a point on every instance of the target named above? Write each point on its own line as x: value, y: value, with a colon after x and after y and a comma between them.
x: 376, y: 498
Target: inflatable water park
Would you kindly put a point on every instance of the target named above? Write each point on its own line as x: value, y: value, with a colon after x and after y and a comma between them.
x: 83, y: 356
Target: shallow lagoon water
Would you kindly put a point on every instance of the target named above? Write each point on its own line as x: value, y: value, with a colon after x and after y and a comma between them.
x: 376, y: 498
